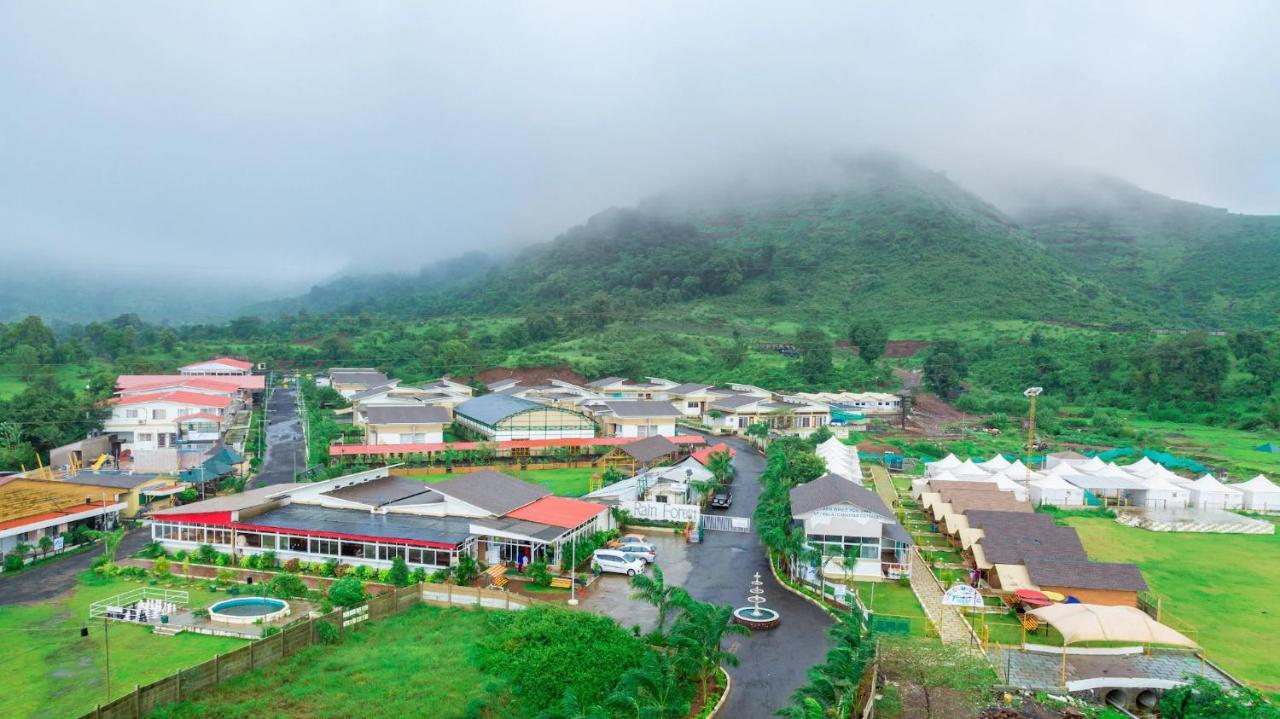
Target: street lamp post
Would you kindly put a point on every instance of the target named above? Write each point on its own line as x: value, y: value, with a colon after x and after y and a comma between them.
x: 573, y: 576
x: 1031, y: 393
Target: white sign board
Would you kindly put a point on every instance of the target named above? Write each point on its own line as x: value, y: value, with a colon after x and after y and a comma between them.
x: 962, y: 595
x: 58, y: 543
x: 355, y: 616
x: 663, y: 511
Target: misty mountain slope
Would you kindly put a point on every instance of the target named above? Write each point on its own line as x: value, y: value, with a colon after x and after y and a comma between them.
x: 877, y: 237
x: 1197, y: 264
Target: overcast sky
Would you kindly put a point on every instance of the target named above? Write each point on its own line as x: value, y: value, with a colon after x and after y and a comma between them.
x: 302, y: 139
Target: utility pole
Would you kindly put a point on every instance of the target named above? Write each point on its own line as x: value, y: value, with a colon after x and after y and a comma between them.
x: 573, y: 575
x: 1031, y: 393
x: 106, y: 644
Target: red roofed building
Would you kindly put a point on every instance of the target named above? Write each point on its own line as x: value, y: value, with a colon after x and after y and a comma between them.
x: 161, y: 421
x: 559, y: 512
x: 704, y: 453
x: 220, y: 366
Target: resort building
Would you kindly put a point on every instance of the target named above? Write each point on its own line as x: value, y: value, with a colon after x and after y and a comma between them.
x: 498, y: 417
x: 164, y: 420
x: 372, y: 517
x: 675, y: 484
x: 405, y: 424
x: 690, y: 398
x: 783, y: 414
x: 347, y: 381
x: 35, y: 508
x: 622, y: 388
x: 844, y: 519
x: 217, y: 367
x: 634, y: 417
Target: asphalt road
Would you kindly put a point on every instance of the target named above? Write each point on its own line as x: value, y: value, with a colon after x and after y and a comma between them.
x: 772, y: 663
x: 284, y: 454
x: 59, y: 576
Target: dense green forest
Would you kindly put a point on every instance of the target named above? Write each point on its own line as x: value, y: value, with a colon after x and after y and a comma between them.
x: 1133, y: 301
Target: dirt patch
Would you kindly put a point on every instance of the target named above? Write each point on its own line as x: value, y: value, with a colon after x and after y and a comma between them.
x: 532, y: 375
x: 931, y: 414
x: 900, y: 349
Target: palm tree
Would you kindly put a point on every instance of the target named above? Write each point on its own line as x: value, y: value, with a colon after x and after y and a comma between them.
x: 571, y: 708
x: 803, y: 708
x: 720, y: 464
x: 656, y: 592
x: 652, y: 690
x: 816, y: 556
x: 110, y: 541
x: 697, y: 637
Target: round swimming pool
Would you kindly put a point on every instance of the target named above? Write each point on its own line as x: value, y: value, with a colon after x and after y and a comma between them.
x: 247, y: 610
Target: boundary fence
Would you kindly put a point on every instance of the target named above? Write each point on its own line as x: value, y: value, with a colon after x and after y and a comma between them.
x: 189, y: 683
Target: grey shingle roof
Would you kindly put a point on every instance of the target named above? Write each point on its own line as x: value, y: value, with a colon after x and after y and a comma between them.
x: 832, y: 489
x: 992, y: 521
x: 233, y: 502
x: 493, y: 408
x: 119, y: 481
x: 365, y: 376
x: 606, y: 381
x: 1049, y: 543
x: 408, y: 414
x: 1086, y: 575
x: 535, y: 530
x: 491, y: 491
x: 384, y: 490
x: 641, y: 408
x: 735, y: 401
x: 373, y: 391
x: 649, y: 448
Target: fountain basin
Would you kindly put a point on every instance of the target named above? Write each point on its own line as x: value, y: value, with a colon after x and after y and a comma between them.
x: 756, y: 617
x: 248, y: 610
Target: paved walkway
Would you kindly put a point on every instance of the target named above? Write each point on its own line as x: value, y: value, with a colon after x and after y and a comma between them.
x: 1034, y: 670
x: 59, y: 576
x: 952, y: 628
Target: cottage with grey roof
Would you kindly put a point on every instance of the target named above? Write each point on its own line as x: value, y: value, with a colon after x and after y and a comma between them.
x: 846, y: 521
x: 406, y: 424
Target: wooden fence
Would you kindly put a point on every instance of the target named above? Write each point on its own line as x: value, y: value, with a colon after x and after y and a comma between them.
x: 191, y: 682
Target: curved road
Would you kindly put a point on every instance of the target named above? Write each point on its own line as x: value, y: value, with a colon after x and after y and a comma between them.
x: 773, y: 663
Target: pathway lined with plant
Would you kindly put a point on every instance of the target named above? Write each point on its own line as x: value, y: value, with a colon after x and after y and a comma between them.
x: 952, y: 628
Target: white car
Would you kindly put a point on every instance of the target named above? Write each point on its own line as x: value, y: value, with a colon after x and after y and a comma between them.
x: 617, y: 561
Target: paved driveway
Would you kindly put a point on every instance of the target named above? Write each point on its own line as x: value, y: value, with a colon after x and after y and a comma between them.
x: 773, y: 663
x: 284, y: 454
x: 54, y: 578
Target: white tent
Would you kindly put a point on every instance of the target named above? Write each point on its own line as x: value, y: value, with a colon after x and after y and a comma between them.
x: 969, y: 469
x: 948, y: 462
x: 1142, y: 466
x: 1208, y: 493
x: 1160, y: 493
x: 841, y: 459
x: 1093, y: 465
x: 1065, y: 470
x: 1260, y: 494
x: 1054, y: 490
x: 995, y: 464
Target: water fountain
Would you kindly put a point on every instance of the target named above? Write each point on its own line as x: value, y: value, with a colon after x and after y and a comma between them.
x: 756, y: 616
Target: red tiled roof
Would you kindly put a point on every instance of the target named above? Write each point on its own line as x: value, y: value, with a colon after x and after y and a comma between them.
x: 558, y: 511
x: 341, y: 450
x: 197, y: 382
x: 704, y: 453
x: 251, y: 382
x: 178, y: 397
x: 228, y: 361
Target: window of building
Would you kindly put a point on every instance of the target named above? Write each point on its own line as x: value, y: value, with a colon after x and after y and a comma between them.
x: 691, y: 405
x: 158, y: 413
x: 144, y: 436
x: 131, y: 414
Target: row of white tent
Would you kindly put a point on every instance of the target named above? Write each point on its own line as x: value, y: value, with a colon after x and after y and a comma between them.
x: 1143, y: 483
x: 841, y: 459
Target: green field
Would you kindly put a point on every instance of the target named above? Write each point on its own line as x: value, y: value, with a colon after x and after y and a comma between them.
x: 572, y: 482
x: 1220, y: 446
x: 1223, y: 585
x: 412, y: 664
x: 52, y: 671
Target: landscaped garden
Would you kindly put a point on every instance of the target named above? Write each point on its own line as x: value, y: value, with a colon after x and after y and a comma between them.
x: 53, y: 671
x: 1223, y: 585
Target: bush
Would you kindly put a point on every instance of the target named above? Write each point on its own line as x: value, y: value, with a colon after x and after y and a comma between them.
x: 1204, y: 699
x: 327, y: 633
x: 348, y: 592
x: 466, y: 570
x: 152, y: 550
x: 361, y: 572
x: 539, y: 574
x: 531, y: 647
x: 293, y: 566
x: 398, y: 575
x: 13, y: 562
x: 419, y: 576
x: 329, y: 568
x: 161, y: 568
x: 286, y: 586
x: 267, y: 561
x: 206, y: 554
x: 270, y: 632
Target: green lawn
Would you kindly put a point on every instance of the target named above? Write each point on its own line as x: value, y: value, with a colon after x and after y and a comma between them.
x: 412, y: 664
x: 562, y: 482
x: 52, y: 671
x: 1224, y: 585
x: 889, y: 600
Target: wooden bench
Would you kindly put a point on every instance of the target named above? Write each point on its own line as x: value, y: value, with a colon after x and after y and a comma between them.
x: 562, y: 582
x: 496, y: 573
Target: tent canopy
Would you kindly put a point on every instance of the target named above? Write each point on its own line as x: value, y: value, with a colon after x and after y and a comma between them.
x: 1101, y: 623
x: 996, y: 463
x: 1259, y: 484
x: 1268, y: 447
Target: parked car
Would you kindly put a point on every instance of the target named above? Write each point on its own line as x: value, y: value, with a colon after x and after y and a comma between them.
x: 721, y: 499
x: 639, y: 552
x: 631, y: 545
x: 613, y: 560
